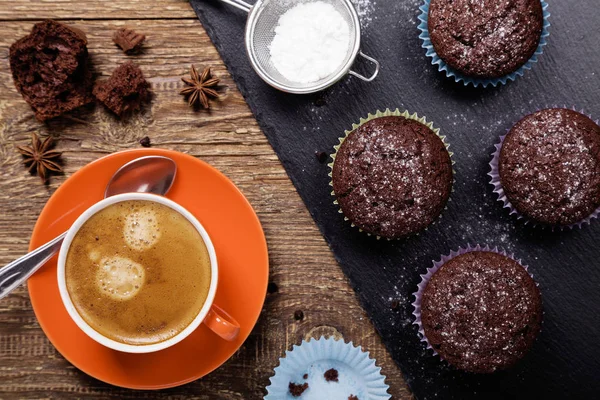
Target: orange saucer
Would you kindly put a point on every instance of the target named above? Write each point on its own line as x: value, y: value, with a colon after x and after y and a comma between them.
x: 243, y: 273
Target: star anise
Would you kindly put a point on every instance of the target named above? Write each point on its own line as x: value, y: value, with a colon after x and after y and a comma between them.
x: 199, y: 88
x: 40, y: 156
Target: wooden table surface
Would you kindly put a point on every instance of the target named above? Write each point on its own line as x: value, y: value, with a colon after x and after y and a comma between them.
x: 301, y: 265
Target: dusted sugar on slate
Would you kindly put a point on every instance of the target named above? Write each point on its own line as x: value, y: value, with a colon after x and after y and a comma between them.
x: 50, y: 69
x: 481, y: 311
x: 296, y: 390
x: 392, y: 177
x: 550, y: 166
x: 126, y: 89
x: 485, y: 38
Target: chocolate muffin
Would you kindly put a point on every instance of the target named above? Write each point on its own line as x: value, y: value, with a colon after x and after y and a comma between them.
x: 481, y: 311
x: 50, y: 69
x: 549, y: 166
x: 126, y: 89
x: 392, y: 176
x: 486, y: 38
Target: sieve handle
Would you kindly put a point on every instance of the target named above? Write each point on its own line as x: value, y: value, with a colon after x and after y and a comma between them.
x: 361, y: 77
x: 242, y: 5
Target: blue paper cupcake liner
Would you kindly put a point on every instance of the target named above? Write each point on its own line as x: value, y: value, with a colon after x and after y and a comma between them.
x: 458, y: 76
x: 418, y: 295
x: 357, y: 373
x: 494, y: 175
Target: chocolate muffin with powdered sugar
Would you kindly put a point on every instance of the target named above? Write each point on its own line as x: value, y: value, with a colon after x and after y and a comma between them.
x: 392, y: 176
x: 481, y: 311
x: 549, y: 167
x: 485, y: 38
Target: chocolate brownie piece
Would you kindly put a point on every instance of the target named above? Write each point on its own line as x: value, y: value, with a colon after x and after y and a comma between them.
x: 125, y: 90
x: 550, y: 166
x: 481, y: 311
x: 485, y: 38
x: 50, y: 69
x: 392, y: 177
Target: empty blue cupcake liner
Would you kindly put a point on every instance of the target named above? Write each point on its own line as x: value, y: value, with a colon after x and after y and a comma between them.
x: 357, y: 373
x: 494, y: 175
x: 458, y: 77
x: 418, y: 295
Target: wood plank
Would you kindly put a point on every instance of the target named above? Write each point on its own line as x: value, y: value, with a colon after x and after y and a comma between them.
x: 227, y: 137
x: 98, y: 9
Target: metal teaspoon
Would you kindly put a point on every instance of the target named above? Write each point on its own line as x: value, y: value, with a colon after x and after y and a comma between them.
x: 150, y: 174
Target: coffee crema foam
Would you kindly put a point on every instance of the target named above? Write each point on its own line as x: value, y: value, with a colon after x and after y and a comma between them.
x: 141, y: 230
x: 138, y: 272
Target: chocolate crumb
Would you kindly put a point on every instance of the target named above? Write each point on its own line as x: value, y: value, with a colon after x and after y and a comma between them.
x: 320, y: 101
x: 352, y: 397
x: 321, y: 156
x: 297, y: 390
x: 395, y: 305
x: 145, y: 141
x: 272, y: 288
x: 128, y: 40
x: 305, y: 376
x: 97, y: 238
x: 331, y: 375
x: 299, y: 316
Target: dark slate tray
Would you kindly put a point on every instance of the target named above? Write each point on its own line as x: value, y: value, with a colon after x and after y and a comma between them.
x: 565, y: 361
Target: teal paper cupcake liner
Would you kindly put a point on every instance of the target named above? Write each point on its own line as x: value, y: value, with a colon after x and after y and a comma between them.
x: 459, y: 77
x: 357, y: 373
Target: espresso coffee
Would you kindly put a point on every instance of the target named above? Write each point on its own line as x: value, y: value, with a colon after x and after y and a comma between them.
x: 138, y: 272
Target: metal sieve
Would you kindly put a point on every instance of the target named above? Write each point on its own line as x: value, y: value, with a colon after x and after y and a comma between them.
x: 263, y: 18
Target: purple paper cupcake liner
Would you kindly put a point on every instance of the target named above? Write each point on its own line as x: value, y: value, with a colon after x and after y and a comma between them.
x: 436, y: 265
x: 494, y: 175
x: 466, y: 80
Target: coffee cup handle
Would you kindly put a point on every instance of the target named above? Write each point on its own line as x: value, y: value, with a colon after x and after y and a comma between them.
x: 222, y: 323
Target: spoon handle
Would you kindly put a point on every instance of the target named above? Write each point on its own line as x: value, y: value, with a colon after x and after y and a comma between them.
x: 241, y: 4
x: 19, y: 270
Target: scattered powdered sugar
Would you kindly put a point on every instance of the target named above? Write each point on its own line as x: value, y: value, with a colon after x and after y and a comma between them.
x: 311, y: 42
x: 365, y: 10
